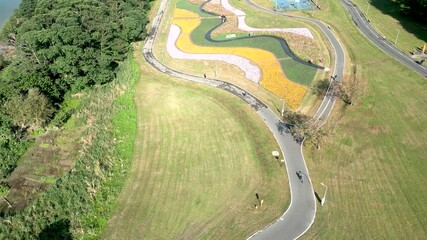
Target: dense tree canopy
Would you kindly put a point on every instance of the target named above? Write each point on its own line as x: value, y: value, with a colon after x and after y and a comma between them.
x: 67, y: 45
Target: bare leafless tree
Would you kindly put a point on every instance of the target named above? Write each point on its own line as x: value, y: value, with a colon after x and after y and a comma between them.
x: 303, y: 127
x: 347, y: 89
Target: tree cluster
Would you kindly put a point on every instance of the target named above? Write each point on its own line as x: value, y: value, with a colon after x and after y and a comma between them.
x: 64, y: 46
x: 303, y: 127
x: 347, y: 89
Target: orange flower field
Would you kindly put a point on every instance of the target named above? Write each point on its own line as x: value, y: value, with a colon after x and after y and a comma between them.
x: 272, y: 78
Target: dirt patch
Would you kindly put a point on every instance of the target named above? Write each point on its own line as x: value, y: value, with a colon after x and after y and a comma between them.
x: 40, y: 166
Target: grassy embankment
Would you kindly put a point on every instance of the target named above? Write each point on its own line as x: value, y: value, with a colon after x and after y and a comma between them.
x: 201, y: 155
x: 374, y: 166
x: 79, y: 203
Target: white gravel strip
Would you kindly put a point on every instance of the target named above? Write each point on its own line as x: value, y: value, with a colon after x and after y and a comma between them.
x: 243, y: 26
x: 252, y: 72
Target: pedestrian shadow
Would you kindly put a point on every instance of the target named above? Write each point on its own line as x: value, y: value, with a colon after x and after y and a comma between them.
x: 317, y: 197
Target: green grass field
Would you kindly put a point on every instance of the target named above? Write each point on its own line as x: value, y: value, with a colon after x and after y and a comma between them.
x: 201, y: 156
x: 375, y: 164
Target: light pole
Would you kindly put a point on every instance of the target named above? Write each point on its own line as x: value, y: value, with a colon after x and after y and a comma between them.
x: 397, y: 36
x: 214, y: 70
x: 163, y: 56
x: 324, y: 196
x: 283, y: 108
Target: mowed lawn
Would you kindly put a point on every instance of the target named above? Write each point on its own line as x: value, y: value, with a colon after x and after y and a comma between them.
x: 375, y: 165
x: 201, y: 156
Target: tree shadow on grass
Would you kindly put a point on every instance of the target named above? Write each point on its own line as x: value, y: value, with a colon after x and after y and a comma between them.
x: 59, y: 230
x: 412, y: 23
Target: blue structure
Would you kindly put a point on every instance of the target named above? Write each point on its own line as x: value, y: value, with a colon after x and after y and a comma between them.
x: 293, y: 5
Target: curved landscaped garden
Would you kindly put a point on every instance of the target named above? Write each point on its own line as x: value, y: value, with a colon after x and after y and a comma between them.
x: 282, y: 72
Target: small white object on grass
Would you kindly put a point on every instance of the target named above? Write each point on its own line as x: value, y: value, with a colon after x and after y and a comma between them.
x: 275, y: 154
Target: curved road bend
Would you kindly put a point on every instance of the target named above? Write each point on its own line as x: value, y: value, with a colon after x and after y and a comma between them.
x: 285, y: 229
x: 366, y: 28
x: 300, y: 215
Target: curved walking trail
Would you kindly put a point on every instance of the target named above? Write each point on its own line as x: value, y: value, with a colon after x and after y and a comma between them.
x: 365, y: 27
x: 300, y: 215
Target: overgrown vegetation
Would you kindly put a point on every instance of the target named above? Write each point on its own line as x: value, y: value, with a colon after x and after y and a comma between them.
x: 82, y: 199
x: 60, y: 48
x: 12, y: 145
x: 30, y: 110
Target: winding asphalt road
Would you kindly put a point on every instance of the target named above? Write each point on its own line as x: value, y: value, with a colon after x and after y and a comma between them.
x: 300, y: 215
x: 384, y: 45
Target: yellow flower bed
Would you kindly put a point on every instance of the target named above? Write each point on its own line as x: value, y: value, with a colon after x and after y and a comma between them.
x: 273, y: 77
